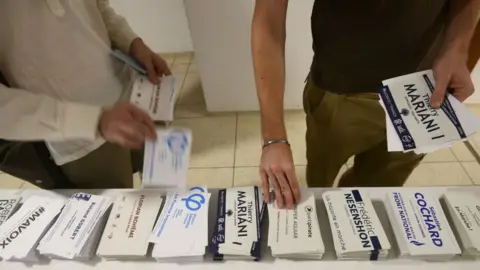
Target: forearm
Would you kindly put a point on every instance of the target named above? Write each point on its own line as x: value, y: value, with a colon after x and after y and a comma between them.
x: 464, y: 18
x: 25, y: 117
x: 268, y: 51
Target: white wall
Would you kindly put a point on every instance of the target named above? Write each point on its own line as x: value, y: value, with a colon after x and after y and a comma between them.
x: 161, y: 23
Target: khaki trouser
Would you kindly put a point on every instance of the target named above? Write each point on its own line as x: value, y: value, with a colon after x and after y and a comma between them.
x: 340, y: 126
x: 109, y: 166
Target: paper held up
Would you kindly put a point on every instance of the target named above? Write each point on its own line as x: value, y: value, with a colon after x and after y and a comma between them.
x: 166, y: 160
x: 411, y: 122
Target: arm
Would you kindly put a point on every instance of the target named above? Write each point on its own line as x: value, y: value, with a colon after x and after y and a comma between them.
x: 268, y: 51
x: 450, y: 68
x: 118, y: 29
x: 25, y: 116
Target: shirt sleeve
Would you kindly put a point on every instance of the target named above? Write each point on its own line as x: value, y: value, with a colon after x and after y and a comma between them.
x: 120, y: 32
x: 25, y: 116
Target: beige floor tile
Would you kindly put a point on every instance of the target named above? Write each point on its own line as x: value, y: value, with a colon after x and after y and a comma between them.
x: 179, y: 81
x: 248, y: 148
x: 193, y: 68
x: 7, y: 181
x: 137, y: 181
x: 473, y: 170
x: 475, y: 109
x: 296, y: 128
x: 211, y: 177
x: 439, y: 174
x: 27, y: 185
x: 462, y: 153
x: 168, y: 57
x: 184, y: 57
x: 179, y: 68
x: 213, y: 140
x: 443, y: 155
x: 248, y: 176
x: 192, y: 92
x: 196, y: 111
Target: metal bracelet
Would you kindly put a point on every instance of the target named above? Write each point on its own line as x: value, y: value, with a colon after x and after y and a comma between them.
x: 267, y: 143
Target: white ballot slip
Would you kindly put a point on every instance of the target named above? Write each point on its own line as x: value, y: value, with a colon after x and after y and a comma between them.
x: 413, y: 125
x: 420, y: 226
x: 76, y: 232
x: 20, y: 234
x: 181, y: 231
x: 8, y: 206
x: 464, y: 209
x: 356, y: 229
x: 157, y: 100
x: 238, y: 227
x: 295, y: 233
x: 166, y: 160
x: 129, y: 225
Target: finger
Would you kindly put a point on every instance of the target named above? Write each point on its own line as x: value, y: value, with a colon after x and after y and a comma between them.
x: 285, y: 188
x: 441, y: 84
x: 141, y: 116
x: 123, y: 141
x: 161, y: 67
x: 265, y: 185
x: 276, y: 188
x: 293, y: 182
x: 131, y: 133
x: 151, y: 73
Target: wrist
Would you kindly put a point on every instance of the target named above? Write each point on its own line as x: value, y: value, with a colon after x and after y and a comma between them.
x: 135, y: 43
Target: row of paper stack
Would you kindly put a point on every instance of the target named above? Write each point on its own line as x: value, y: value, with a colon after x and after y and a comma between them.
x: 72, y: 229
x: 411, y: 122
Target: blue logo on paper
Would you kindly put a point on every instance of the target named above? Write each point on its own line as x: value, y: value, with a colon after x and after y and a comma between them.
x: 82, y: 196
x: 416, y: 243
x: 177, y: 143
x: 195, y: 201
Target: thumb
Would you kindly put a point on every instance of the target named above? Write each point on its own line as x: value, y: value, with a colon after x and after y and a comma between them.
x: 151, y: 73
x: 441, y: 84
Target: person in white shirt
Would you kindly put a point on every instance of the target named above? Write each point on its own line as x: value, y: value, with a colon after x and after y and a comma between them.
x: 67, y: 89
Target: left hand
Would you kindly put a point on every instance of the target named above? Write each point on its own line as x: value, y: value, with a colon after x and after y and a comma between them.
x: 450, y: 71
x: 155, y: 65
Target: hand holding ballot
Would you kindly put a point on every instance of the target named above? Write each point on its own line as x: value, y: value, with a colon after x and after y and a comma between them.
x: 414, y: 125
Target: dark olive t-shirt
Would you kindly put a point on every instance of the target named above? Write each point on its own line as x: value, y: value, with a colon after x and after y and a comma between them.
x: 359, y: 43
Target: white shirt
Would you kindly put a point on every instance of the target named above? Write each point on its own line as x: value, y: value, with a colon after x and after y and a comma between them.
x: 55, y: 54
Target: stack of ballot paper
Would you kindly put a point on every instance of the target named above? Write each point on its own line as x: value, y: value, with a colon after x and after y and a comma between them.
x: 464, y: 209
x: 238, y: 225
x: 166, y: 160
x: 413, y: 125
x: 356, y: 229
x: 420, y: 226
x: 8, y: 206
x: 129, y: 225
x: 181, y: 231
x: 76, y: 232
x: 295, y: 233
x: 20, y: 234
x: 157, y: 100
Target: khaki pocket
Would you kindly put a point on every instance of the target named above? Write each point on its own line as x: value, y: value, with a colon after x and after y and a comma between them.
x: 312, y: 97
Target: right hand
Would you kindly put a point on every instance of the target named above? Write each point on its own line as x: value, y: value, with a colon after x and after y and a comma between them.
x: 277, y: 169
x: 127, y: 125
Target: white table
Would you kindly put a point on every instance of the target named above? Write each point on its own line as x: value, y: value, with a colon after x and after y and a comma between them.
x: 267, y: 262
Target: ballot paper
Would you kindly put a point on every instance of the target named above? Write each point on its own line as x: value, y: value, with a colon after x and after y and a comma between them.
x: 237, y: 232
x: 129, y: 225
x: 181, y: 231
x: 295, y: 233
x: 413, y: 125
x: 464, y: 209
x: 356, y: 229
x: 166, y: 160
x: 156, y: 99
x: 20, y: 234
x: 420, y: 225
x: 76, y: 232
x: 8, y: 206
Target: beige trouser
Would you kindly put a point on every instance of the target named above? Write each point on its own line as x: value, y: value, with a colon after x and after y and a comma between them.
x: 109, y: 166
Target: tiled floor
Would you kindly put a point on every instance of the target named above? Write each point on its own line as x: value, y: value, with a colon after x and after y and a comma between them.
x: 226, y: 146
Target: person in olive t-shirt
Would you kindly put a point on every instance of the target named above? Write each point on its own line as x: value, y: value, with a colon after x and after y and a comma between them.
x: 356, y: 45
